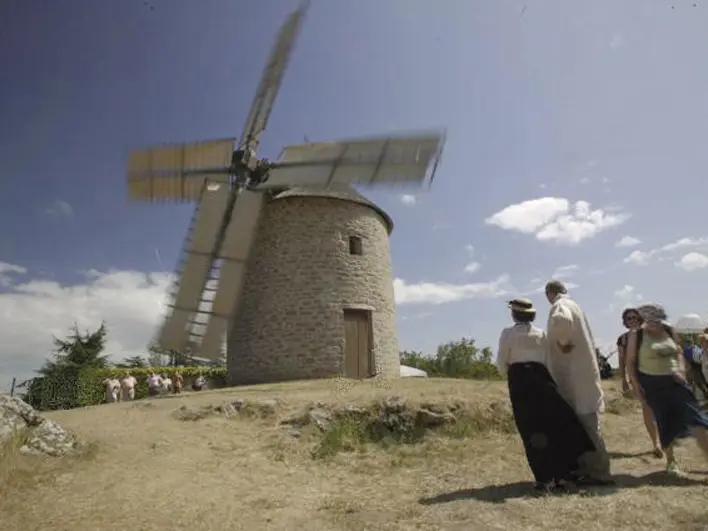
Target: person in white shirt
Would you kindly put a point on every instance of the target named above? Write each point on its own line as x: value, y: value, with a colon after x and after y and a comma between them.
x: 574, y: 366
x: 128, y: 385
x: 112, y: 387
x: 553, y: 437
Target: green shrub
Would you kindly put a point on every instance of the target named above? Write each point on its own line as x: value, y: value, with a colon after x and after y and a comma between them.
x: 73, y: 388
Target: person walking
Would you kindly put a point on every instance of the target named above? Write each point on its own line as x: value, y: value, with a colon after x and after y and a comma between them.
x: 128, y: 386
x: 694, y: 370
x: 574, y: 366
x: 553, y: 437
x: 657, y: 371
x: 633, y: 321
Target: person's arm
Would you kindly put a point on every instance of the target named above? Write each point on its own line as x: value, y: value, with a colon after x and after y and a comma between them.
x: 561, y: 327
x: 622, y: 356
x: 503, y: 354
x: 631, y: 363
x: 680, y: 374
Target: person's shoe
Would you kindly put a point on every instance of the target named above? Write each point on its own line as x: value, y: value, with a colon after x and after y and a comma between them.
x: 550, y: 487
x: 673, y: 469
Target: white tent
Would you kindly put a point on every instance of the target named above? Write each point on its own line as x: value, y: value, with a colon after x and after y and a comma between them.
x: 690, y: 323
x: 412, y: 372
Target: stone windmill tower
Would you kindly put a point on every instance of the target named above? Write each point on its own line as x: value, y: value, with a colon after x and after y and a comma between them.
x: 284, y: 258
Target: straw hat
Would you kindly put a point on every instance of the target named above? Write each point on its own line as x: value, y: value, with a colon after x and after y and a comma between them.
x: 521, y: 305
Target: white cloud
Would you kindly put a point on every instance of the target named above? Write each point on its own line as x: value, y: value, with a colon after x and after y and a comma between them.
x: 683, y: 243
x: 625, y: 291
x: 564, y: 271
x: 644, y: 257
x: 617, y: 41
x: 421, y: 315
x: 60, y: 208
x: 585, y: 180
x: 556, y: 219
x: 638, y: 257
x: 408, y: 199
x: 7, y: 271
x: 472, y: 267
x: 692, y: 261
x: 130, y: 302
x: 470, y: 249
x: 628, y: 241
x: 442, y: 292
x: 624, y: 297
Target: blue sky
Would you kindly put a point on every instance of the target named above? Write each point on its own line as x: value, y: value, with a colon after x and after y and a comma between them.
x: 602, y: 103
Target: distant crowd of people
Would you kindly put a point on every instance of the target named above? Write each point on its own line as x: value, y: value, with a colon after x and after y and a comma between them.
x: 557, y: 397
x: 123, y: 389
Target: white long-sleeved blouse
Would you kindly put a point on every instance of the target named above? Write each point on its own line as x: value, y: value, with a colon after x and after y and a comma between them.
x: 521, y: 343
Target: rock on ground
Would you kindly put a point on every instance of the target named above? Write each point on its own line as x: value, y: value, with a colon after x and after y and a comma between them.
x: 40, y: 436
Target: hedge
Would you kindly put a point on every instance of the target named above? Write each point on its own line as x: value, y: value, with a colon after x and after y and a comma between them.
x: 84, y: 387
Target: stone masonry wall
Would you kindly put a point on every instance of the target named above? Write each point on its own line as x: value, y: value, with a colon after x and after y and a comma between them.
x: 301, y: 277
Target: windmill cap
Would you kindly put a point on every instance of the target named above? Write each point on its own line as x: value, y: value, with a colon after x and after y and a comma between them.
x: 521, y: 305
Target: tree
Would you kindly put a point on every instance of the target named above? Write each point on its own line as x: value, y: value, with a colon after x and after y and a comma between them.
x: 60, y: 383
x: 454, y: 359
x: 78, y: 351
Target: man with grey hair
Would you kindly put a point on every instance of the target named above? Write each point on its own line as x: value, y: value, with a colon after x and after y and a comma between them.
x: 574, y: 366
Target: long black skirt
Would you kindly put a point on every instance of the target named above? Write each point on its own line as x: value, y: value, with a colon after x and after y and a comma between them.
x: 675, y: 408
x: 554, y: 438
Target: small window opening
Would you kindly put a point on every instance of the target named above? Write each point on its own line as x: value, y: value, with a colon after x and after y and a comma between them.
x: 355, y: 245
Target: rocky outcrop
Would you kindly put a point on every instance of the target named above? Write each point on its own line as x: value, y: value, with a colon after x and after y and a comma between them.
x: 392, y: 417
x: 37, y: 435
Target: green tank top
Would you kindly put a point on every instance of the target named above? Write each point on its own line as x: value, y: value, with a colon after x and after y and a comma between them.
x: 657, y: 356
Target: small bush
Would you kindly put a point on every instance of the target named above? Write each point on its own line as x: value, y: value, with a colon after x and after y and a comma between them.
x: 348, y: 433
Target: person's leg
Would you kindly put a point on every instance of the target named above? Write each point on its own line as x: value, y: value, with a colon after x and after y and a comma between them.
x: 595, y: 464
x: 652, y: 430
x: 701, y: 435
x: 699, y: 378
x: 671, y: 464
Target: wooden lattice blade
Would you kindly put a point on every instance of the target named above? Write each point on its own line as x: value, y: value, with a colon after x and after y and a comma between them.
x: 233, y: 256
x: 272, y: 78
x: 196, y: 268
x: 394, y: 160
x: 176, y: 172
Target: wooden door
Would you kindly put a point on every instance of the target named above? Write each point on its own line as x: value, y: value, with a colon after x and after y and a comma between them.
x: 357, y: 344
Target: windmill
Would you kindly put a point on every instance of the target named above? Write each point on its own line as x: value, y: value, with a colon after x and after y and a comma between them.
x: 231, y: 187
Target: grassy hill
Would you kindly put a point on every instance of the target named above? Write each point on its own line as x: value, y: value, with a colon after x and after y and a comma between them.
x: 151, y: 467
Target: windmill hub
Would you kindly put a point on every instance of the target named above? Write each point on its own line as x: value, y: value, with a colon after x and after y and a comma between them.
x: 328, y: 232
x: 248, y: 171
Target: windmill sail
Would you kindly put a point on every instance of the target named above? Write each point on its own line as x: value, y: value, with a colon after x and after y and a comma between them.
x: 271, y: 79
x: 233, y: 257
x: 213, y: 271
x: 177, y: 171
x: 371, y: 161
x: 195, y: 268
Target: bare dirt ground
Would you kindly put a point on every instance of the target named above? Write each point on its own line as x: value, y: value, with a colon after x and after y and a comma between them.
x: 148, y: 471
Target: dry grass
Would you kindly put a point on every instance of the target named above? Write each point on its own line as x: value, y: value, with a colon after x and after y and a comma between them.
x: 152, y: 472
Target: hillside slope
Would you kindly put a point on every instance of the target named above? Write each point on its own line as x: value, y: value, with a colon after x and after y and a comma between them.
x: 151, y: 468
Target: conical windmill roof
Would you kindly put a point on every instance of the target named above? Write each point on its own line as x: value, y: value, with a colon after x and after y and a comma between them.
x: 343, y: 193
